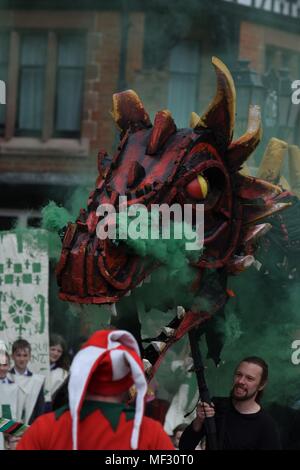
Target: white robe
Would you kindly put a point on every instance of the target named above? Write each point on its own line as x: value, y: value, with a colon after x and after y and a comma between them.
x: 11, y: 395
x: 31, y: 387
x: 54, y: 380
x: 178, y: 408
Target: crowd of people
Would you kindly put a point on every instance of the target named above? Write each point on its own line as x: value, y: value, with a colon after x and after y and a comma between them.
x: 95, y: 397
x: 25, y: 395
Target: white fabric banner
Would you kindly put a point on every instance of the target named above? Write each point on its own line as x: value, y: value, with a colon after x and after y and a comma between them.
x: 24, y: 294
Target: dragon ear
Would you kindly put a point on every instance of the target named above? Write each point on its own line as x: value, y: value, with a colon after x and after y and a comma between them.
x: 128, y: 111
x: 241, y: 149
x: 164, y: 127
x: 220, y: 116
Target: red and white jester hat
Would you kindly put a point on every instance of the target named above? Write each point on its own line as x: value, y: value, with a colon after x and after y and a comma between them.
x: 108, y: 364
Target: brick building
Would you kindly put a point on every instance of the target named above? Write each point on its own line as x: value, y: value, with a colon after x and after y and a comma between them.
x: 61, y: 63
x: 63, y: 60
x: 181, y: 78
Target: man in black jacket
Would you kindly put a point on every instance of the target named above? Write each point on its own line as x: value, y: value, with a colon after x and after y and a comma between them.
x: 241, y: 423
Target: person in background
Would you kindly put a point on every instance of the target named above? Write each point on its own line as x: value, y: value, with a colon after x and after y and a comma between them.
x: 241, y: 422
x: 11, y: 397
x: 59, y: 366
x: 4, y: 367
x: 97, y: 417
x: 31, y: 384
x: 177, y: 433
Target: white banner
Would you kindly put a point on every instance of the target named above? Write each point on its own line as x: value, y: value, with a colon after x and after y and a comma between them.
x: 24, y: 295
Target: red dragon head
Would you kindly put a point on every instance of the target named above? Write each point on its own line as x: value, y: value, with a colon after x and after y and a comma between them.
x: 162, y: 164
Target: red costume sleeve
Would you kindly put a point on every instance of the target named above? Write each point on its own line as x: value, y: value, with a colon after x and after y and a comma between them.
x: 159, y: 439
x: 35, y: 437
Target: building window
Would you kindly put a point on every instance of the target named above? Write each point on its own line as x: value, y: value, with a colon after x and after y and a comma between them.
x: 4, y: 51
x: 7, y: 222
x: 33, y: 59
x: 12, y: 218
x: 70, y: 77
x: 183, y: 83
x: 279, y: 57
x: 46, y: 73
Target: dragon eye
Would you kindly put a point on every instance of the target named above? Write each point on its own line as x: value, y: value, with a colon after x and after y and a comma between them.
x: 198, y: 188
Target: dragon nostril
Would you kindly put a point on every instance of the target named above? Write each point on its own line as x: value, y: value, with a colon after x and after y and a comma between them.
x: 135, y: 174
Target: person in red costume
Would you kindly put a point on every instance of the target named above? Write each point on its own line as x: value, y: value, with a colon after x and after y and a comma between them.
x: 97, y: 416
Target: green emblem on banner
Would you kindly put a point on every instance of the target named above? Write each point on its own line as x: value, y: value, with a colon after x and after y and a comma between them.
x: 3, y: 324
x: 24, y: 292
x: 21, y: 313
x: 40, y: 299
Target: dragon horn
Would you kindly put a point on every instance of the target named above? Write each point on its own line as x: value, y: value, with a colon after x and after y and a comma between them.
x: 220, y: 115
x: 249, y: 188
x: 163, y: 128
x: 194, y: 119
x: 241, y: 149
x: 270, y: 167
x: 253, y: 214
x: 294, y: 168
x: 128, y: 111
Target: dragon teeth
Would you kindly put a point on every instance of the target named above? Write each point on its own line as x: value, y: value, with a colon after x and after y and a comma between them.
x: 159, y: 346
x: 140, y: 284
x: 147, y: 279
x: 147, y: 365
x: 113, y: 310
x: 180, y: 312
x: 257, y: 264
x: 249, y: 260
x: 168, y: 331
x: 128, y: 293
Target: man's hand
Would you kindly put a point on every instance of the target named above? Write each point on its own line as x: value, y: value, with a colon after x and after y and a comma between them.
x: 204, y: 410
x: 12, y: 442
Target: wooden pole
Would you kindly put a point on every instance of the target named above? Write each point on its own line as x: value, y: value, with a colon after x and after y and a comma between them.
x: 209, y: 423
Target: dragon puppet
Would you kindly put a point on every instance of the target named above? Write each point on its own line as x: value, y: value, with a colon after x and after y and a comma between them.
x: 162, y: 164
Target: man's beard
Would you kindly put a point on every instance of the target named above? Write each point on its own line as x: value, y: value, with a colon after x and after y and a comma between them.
x: 244, y: 397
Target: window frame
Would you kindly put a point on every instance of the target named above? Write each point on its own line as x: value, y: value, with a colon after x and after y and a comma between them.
x: 176, y: 74
x: 51, y: 71
x: 69, y: 134
x: 5, y: 64
x: 30, y: 132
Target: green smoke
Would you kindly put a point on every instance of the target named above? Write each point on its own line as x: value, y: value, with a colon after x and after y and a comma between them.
x: 55, y: 218
x: 262, y: 320
x: 172, y: 280
x: 65, y: 318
